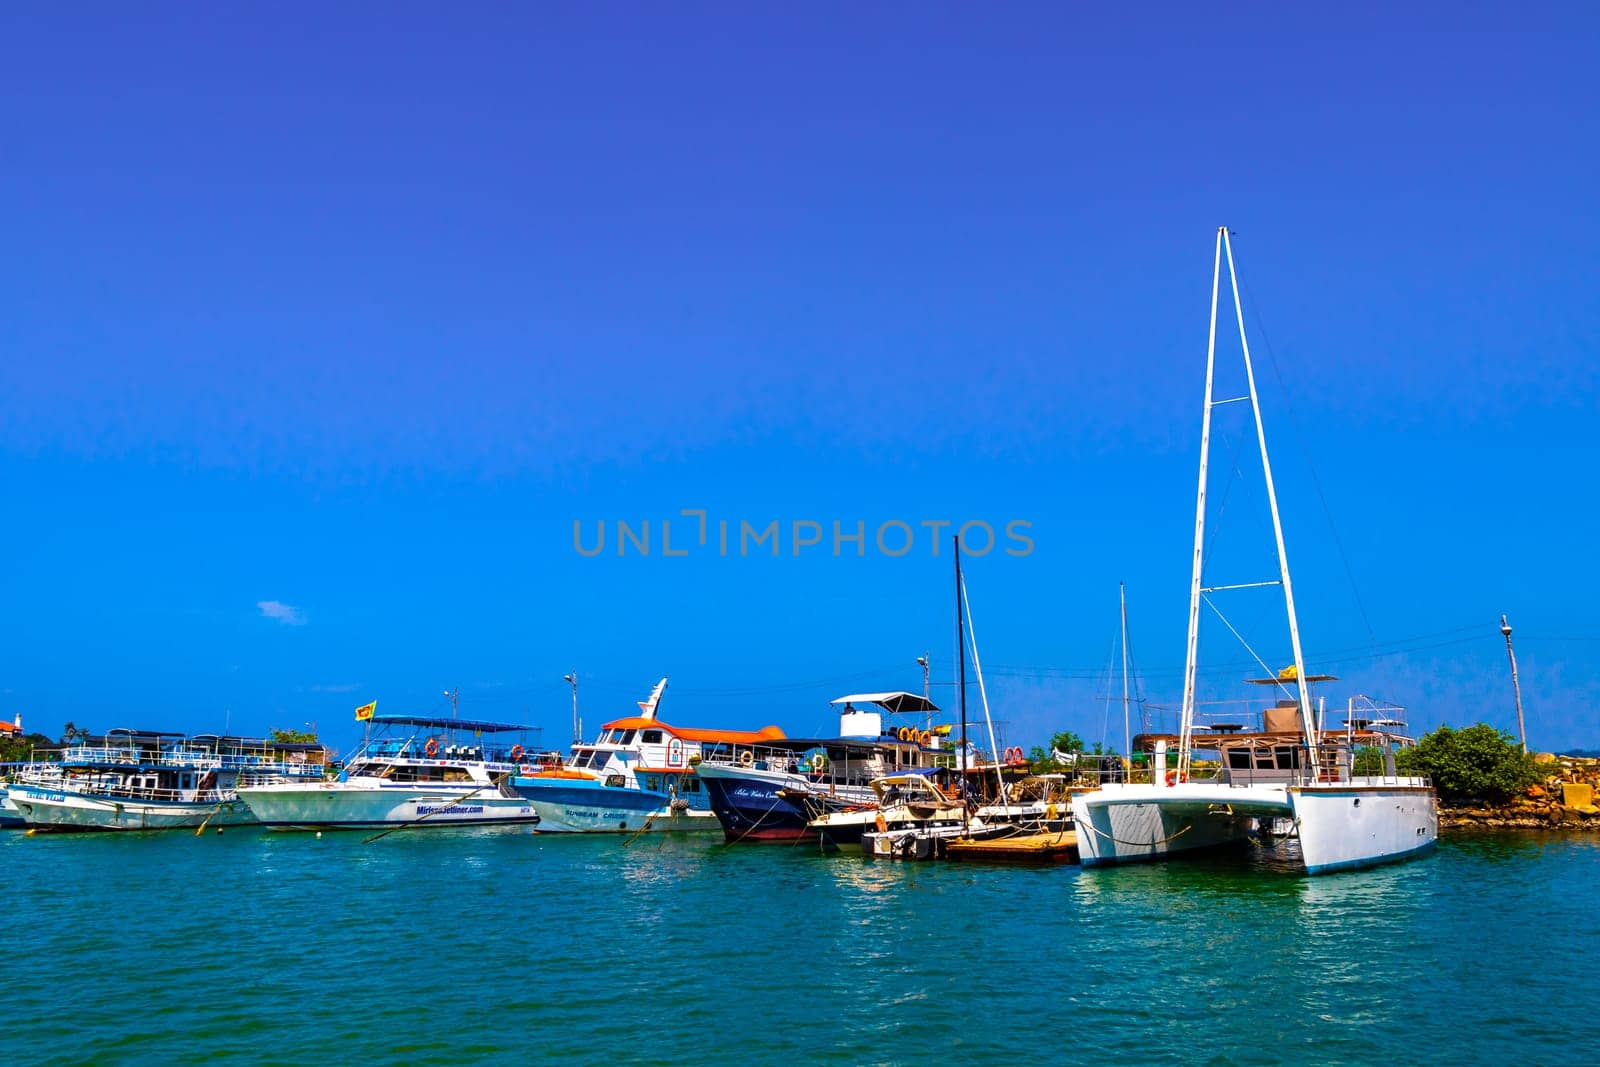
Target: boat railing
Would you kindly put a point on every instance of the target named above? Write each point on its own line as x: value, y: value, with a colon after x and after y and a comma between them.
x: 113, y: 792
x: 145, y: 757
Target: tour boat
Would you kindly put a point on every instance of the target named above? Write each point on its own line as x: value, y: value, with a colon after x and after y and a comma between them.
x: 1291, y: 774
x: 410, y: 771
x: 150, y: 780
x: 636, y: 776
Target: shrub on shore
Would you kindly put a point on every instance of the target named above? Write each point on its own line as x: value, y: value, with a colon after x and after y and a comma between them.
x: 1477, y: 763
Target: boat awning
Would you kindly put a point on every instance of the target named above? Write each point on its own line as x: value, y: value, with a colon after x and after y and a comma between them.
x: 895, y: 702
x: 477, y: 725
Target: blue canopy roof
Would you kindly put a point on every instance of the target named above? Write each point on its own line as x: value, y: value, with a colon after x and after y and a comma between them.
x: 475, y: 725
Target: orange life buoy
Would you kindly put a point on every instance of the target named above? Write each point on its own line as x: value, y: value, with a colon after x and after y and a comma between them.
x: 1174, y: 777
x: 925, y: 739
x: 432, y: 748
x: 516, y: 753
x: 907, y: 734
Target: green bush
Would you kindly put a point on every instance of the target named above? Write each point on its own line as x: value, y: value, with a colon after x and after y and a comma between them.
x: 1478, y: 763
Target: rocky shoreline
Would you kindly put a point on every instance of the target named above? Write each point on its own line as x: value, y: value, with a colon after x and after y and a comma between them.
x: 1565, y: 802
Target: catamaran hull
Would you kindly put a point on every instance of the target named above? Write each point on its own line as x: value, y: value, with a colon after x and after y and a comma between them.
x: 566, y: 806
x: 1343, y: 829
x: 336, y: 806
x: 57, y: 809
x: 1340, y: 827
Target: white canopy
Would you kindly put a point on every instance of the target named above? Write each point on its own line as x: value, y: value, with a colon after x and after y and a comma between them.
x: 895, y: 702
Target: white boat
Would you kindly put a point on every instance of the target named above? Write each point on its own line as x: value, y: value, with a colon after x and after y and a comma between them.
x: 409, y: 772
x: 1292, y: 774
x: 636, y: 776
x: 147, y: 780
x: 900, y: 802
x: 10, y: 817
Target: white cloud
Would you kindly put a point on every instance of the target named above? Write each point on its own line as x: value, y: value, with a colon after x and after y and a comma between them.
x: 287, y: 614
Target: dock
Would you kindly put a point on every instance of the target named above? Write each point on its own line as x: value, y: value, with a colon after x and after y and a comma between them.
x: 1040, y: 849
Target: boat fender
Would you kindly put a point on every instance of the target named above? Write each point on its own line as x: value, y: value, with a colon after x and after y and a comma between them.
x: 432, y: 747
x: 881, y: 823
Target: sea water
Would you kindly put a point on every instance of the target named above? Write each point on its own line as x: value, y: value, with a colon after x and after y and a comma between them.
x: 466, y: 947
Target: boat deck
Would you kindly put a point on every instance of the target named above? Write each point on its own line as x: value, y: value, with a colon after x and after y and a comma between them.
x: 1025, y: 848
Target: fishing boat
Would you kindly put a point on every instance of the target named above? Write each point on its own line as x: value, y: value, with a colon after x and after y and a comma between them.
x: 636, y: 776
x: 901, y: 802
x: 1290, y: 774
x: 770, y: 790
x: 154, y: 780
x: 410, y: 771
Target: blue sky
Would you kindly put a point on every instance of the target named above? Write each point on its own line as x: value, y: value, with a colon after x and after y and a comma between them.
x: 353, y: 313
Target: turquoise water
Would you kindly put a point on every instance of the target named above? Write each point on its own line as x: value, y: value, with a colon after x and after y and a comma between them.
x: 505, y: 947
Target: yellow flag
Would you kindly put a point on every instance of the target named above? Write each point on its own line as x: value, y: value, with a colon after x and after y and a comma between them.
x: 365, y: 711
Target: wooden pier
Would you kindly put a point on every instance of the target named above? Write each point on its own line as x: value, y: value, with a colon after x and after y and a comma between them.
x: 1030, y: 849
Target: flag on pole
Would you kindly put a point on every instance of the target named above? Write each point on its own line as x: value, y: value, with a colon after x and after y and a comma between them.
x: 364, y: 712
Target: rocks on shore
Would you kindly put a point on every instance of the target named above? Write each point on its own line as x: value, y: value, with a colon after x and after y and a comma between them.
x: 1545, y: 808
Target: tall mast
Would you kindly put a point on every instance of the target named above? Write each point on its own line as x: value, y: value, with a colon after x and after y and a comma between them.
x: 1127, y: 728
x: 1306, y: 720
x: 1186, y: 721
x: 961, y: 657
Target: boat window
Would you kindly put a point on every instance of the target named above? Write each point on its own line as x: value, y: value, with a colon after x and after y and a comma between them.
x: 651, y: 737
x: 652, y: 781
x: 689, y: 783
x: 626, y: 738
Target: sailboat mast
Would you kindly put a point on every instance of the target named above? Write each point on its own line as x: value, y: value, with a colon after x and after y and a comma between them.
x: 1186, y: 721
x: 1306, y: 720
x: 961, y: 657
x: 1127, y: 727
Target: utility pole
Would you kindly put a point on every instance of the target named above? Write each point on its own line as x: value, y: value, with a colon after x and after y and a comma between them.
x: 454, y: 695
x: 1516, y: 686
x: 922, y: 661
x: 577, y: 723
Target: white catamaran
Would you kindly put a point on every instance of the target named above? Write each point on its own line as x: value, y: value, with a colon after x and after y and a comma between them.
x: 1292, y: 776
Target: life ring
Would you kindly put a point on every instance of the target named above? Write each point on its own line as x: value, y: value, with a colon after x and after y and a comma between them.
x: 925, y: 739
x: 1176, y: 777
x: 516, y: 753
x: 1015, y: 755
x: 907, y: 734
x: 746, y: 758
x: 819, y: 763
x: 432, y: 747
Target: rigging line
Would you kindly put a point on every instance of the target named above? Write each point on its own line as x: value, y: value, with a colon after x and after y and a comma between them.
x: 983, y: 692
x: 1316, y: 481
x: 1105, y: 720
x: 1268, y: 670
